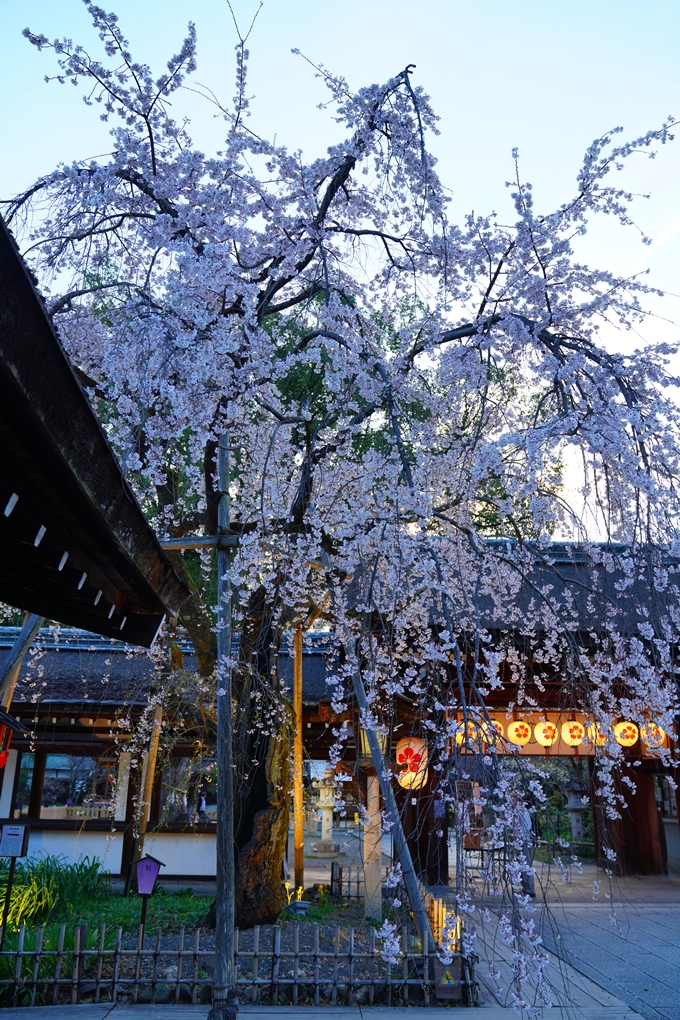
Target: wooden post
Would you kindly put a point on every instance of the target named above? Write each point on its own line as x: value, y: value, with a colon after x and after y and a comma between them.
x: 298, y: 801
x: 224, y: 1005
x: 403, y: 853
x: 373, y: 850
x: 401, y: 846
x: 149, y: 777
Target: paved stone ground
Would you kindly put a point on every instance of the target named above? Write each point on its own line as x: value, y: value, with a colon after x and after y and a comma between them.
x: 304, y: 1012
x: 637, y: 958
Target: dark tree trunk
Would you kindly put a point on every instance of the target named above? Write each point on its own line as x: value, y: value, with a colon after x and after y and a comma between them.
x: 262, y: 744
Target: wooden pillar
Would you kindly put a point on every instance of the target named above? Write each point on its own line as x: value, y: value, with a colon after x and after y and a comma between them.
x: 373, y: 849
x: 149, y: 778
x: 646, y: 826
x: 37, y: 783
x: 298, y: 799
x: 636, y: 836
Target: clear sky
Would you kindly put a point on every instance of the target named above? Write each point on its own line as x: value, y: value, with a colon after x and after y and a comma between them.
x: 544, y: 76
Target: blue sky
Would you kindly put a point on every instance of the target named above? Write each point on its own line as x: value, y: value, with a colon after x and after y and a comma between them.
x: 546, y: 77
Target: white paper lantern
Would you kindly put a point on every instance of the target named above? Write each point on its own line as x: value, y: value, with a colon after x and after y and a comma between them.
x: 519, y: 732
x: 545, y: 734
x: 411, y: 758
x: 626, y: 733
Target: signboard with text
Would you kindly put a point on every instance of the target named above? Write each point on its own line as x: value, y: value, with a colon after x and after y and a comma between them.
x: 14, y: 840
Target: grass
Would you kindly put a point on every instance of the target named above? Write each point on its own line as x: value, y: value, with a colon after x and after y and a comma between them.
x: 49, y: 891
x: 168, y: 911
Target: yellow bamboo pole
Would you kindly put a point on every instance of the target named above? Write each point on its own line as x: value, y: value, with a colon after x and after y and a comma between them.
x: 298, y: 802
x: 13, y: 662
x: 149, y: 776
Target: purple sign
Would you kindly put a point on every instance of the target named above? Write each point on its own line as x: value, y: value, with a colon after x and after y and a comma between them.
x: 147, y: 873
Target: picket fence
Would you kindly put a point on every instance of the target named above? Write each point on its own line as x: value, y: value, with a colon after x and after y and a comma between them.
x: 271, y: 969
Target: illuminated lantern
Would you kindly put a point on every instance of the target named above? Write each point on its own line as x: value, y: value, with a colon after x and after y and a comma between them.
x: 545, y: 734
x: 573, y: 732
x: 472, y: 732
x: 492, y: 731
x: 653, y: 735
x: 519, y: 732
x: 411, y: 755
x: 366, y: 747
x: 595, y: 735
x: 626, y: 733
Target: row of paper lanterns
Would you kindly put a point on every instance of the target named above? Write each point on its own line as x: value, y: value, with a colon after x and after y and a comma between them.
x: 412, y: 757
x: 572, y: 732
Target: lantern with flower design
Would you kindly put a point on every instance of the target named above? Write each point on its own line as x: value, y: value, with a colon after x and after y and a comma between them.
x: 411, y: 757
x: 519, y: 732
x: 652, y: 736
x: 491, y: 731
x: 626, y: 733
x: 595, y: 735
x: 472, y: 730
x: 545, y: 734
x: 573, y: 732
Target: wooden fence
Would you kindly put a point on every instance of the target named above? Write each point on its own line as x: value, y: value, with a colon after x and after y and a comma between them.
x: 311, y: 966
x: 348, y: 883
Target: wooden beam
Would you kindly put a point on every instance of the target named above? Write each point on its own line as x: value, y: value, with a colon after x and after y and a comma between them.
x: 298, y: 799
x: 201, y: 542
x: 9, y: 673
x: 149, y: 777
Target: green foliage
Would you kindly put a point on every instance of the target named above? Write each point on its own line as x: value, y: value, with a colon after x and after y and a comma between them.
x: 168, y: 911
x: 49, y: 889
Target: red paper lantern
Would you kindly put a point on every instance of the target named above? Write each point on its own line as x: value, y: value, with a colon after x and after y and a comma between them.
x: 5, y: 741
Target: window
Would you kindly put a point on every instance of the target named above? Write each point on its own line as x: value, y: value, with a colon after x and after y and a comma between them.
x: 24, y: 785
x: 665, y: 797
x: 188, y: 791
x: 76, y: 787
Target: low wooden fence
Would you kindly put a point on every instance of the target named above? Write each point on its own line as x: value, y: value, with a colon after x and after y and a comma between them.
x: 348, y: 883
x: 273, y: 967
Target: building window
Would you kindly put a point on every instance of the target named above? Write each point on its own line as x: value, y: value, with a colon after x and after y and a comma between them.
x: 665, y: 797
x: 77, y: 787
x: 188, y: 792
x: 24, y: 784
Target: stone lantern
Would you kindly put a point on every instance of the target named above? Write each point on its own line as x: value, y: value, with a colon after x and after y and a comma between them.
x: 326, y: 788
x: 574, y: 793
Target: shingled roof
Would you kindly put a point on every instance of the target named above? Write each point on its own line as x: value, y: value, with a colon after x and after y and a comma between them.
x: 69, y: 666
x: 74, y: 543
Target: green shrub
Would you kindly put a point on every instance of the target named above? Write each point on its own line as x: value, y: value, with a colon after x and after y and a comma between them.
x: 49, y: 889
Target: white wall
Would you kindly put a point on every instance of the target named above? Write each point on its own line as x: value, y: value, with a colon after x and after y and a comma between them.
x: 183, y: 853
x: 107, y: 846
